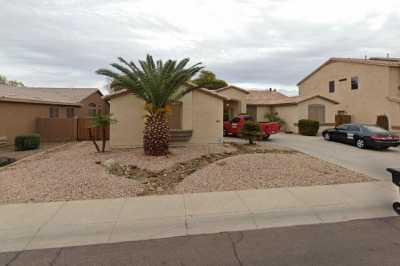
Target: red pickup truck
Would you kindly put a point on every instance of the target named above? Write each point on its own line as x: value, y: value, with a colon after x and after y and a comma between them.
x: 232, y: 127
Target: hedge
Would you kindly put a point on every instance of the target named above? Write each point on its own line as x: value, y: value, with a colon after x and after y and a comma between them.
x: 25, y: 142
x: 308, y: 127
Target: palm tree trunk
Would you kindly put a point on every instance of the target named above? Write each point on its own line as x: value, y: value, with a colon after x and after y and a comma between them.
x: 156, y: 135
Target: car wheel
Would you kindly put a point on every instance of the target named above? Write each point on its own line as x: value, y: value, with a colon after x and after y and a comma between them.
x: 396, y: 207
x: 360, y: 143
x: 266, y: 137
x: 327, y: 136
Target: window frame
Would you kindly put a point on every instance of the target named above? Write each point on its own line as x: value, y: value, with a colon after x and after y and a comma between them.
x: 54, y: 112
x: 332, y: 86
x: 354, y: 80
x: 92, y: 109
x: 69, y: 109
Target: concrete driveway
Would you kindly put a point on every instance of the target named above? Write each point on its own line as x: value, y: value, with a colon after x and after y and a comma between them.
x: 370, y: 162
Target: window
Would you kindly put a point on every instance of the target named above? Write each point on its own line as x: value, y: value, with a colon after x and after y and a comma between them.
x: 53, y: 112
x: 353, y: 128
x: 70, y: 112
x: 92, y: 109
x: 331, y: 86
x: 354, y: 83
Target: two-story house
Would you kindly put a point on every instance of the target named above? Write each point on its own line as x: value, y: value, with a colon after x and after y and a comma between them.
x: 364, y: 88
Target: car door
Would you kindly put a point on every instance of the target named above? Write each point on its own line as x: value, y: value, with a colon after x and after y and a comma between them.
x: 339, y: 134
x: 351, y: 133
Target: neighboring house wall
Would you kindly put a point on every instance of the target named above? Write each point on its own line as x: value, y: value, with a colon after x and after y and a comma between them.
x: 20, y: 118
x: 330, y: 111
x: 289, y: 114
x: 236, y: 95
x: 376, y: 83
x: 95, y: 98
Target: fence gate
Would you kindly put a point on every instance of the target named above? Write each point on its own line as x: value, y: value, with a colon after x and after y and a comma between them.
x: 341, y: 119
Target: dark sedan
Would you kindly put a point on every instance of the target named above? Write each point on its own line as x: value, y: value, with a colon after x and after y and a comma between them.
x: 363, y: 136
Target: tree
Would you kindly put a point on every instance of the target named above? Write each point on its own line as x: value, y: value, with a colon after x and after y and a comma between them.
x: 158, y: 84
x: 12, y: 83
x: 103, y: 122
x: 272, y: 117
x: 250, y: 131
x: 208, y: 80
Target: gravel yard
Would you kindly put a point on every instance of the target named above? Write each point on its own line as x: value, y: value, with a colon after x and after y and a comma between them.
x: 75, y: 171
x: 271, y: 170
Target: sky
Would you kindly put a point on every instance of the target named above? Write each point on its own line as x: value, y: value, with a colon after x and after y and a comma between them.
x: 253, y: 44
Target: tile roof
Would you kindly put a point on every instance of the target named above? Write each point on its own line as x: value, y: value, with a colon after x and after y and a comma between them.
x: 273, y: 98
x: 60, y: 96
x: 388, y: 62
x: 232, y: 87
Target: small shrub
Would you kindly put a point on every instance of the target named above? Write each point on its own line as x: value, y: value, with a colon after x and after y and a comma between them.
x: 274, y: 118
x: 27, y: 142
x: 250, y: 131
x: 308, y: 127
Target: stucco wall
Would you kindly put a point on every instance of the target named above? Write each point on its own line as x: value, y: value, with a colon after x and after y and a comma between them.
x: 20, y: 118
x: 202, y: 113
x: 129, y: 112
x: 364, y: 104
x: 236, y: 95
x: 207, y: 118
x: 96, y: 99
x: 289, y: 113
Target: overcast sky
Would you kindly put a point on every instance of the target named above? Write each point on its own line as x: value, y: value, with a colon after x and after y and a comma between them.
x: 255, y: 44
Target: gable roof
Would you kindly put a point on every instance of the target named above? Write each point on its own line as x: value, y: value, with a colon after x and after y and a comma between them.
x: 372, y: 61
x: 232, y: 87
x: 274, y: 98
x: 54, y: 96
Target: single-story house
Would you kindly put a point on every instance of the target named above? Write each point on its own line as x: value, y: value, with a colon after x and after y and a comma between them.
x: 259, y: 103
x: 22, y: 107
x: 364, y: 88
x: 196, y: 118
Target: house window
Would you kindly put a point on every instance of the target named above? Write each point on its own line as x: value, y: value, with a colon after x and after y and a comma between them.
x: 92, y: 109
x: 317, y: 112
x: 354, y: 83
x: 331, y: 86
x: 53, y: 112
x: 70, y: 112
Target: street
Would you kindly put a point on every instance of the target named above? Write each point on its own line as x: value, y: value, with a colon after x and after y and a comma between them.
x: 360, y: 242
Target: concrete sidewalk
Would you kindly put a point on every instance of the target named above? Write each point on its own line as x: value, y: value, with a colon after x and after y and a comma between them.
x: 60, y: 224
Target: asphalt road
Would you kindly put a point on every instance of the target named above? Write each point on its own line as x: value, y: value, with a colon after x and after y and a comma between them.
x: 363, y: 242
x: 370, y: 162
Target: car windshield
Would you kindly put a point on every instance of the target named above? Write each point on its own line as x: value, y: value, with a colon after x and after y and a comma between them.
x: 377, y: 130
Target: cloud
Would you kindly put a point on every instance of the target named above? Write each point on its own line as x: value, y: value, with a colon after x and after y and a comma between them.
x: 256, y: 43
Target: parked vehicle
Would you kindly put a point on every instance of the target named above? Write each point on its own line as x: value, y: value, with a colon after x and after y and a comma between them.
x: 233, y: 127
x: 363, y: 136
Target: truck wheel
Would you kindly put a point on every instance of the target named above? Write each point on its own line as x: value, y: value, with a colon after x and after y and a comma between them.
x: 396, y: 207
x: 266, y: 137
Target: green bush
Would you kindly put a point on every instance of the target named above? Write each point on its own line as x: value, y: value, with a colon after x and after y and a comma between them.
x: 25, y: 142
x: 308, y: 127
x: 250, y: 131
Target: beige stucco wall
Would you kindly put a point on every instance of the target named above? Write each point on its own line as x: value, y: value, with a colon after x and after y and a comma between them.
x: 291, y: 114
x: 207, y: 118
x: 236, y: 95
x: 201, y: 113
x: 129, y: 112
x: 364, y: 104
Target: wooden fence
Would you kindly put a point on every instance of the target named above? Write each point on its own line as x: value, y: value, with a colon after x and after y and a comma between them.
x: 63, y: 129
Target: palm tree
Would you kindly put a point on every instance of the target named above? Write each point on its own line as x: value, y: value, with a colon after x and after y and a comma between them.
x: 158, y: 84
